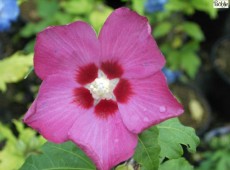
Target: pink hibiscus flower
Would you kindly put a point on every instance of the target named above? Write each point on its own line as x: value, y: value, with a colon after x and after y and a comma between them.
x: 100, y: 92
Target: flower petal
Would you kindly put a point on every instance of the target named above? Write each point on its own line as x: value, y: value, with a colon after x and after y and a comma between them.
x: 126, y: 39
x: 62, y: 49
x: 151, y: 103
x: 54, y: 110
x: 106, y: 141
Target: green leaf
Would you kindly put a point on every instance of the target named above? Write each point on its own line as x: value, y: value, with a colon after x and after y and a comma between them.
x: 28, y: 30
x: 216, y: 160
x: 177, y: 164
x: 179, y: 6
x: 147, y: 151
x: 205, y: 6
x: 177, y: 42
x: 61, y: 18
x: 98, y: 16
x: 218, y: 142
x: 223, y: 163
x: 64, y: 156
x: 138, y: 6
x: 31, y: 29
x: 173, y: 58
x: 191, y: 46
x: 190, y: 63
x: 14, y: 68
x: 193, y: 30
x: 79, y: 7
x: 161, y: 16
x: 184, y: 59
x: 172, y: 134
x: 29, y: 47
x: 47, y: 8
x: 162, y: 29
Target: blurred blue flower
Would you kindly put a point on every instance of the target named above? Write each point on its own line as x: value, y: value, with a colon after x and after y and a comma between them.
x: 170, y: 75
x: 9, y: 11
x: 154, y: 5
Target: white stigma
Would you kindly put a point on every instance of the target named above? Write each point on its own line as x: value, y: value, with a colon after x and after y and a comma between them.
x: 102, y: 87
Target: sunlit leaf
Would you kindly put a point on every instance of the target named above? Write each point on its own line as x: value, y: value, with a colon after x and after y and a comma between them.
x: 14, y: 68
x: 9, y: 153
x: 147, y: 151
x: 124, y: 167
x: 64, y: 156
x: 172, y: 134
x: 16, y: 149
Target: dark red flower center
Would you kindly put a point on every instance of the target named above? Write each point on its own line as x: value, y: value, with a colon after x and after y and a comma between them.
x: 102, y: 87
